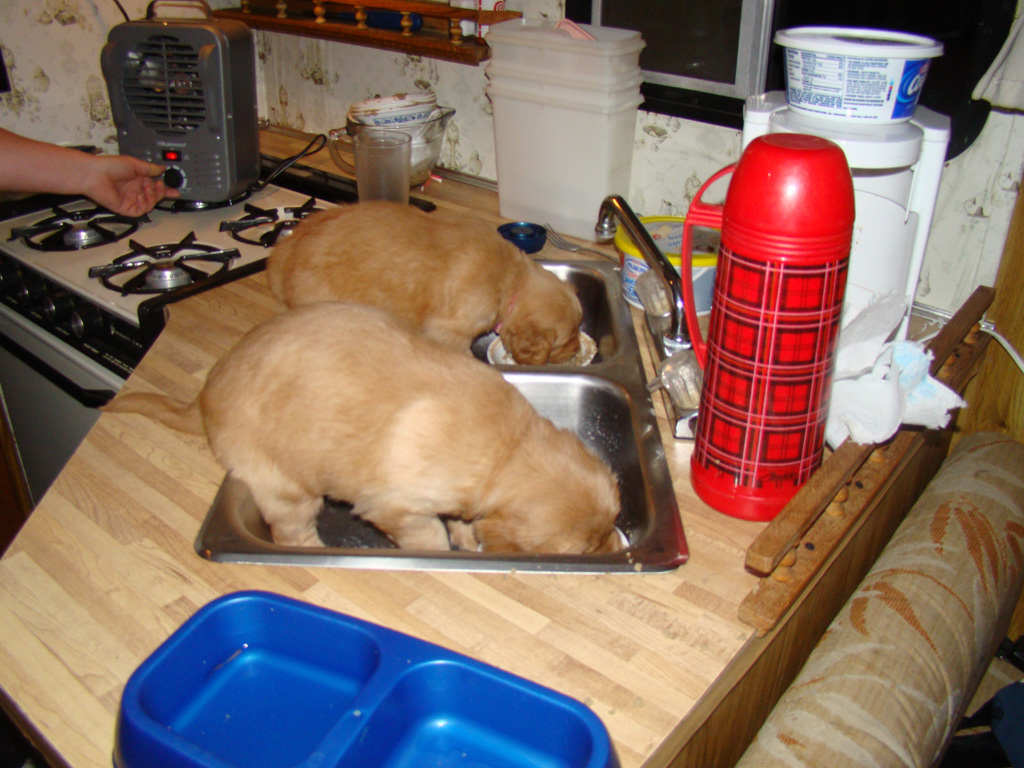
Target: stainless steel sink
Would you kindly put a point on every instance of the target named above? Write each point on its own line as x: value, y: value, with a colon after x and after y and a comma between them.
x: 606, y: 403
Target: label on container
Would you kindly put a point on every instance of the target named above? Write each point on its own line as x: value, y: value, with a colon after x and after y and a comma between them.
x: 911, y: 84
x: 855, y: 87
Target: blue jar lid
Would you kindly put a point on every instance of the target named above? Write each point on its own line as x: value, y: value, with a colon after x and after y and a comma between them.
x: 528, y: 237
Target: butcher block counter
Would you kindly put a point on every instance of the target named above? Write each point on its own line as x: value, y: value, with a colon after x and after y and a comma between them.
x: 105, y: 570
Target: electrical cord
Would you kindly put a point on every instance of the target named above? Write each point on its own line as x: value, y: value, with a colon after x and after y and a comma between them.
x: 1014, y: 355
x: 314, y: 146
x: 121, y: 9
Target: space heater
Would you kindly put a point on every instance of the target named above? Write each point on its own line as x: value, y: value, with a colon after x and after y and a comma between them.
x: 183, y: 94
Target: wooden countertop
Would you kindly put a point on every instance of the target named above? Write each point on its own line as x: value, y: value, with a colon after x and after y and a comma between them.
x: 104, y: 570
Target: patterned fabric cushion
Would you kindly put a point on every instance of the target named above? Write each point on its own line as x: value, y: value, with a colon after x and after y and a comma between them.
x: 890, y: 678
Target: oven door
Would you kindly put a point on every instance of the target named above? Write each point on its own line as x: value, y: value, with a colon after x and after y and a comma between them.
x: 51, y: 393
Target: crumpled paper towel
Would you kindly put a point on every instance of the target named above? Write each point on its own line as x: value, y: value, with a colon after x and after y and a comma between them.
x: 878, y: 384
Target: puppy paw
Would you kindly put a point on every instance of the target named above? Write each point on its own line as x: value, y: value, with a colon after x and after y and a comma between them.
x: 461, y: 535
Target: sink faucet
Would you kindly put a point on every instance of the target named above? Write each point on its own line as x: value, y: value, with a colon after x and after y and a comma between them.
x: 615, y: 207
x: 674, y: 342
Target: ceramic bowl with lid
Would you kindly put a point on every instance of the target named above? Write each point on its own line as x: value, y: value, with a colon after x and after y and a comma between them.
x: 397, y: 110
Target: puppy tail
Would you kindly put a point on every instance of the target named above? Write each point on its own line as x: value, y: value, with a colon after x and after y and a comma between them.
x: 184, y: 418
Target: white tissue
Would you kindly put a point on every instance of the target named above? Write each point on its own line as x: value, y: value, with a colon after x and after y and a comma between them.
x: 879, y: 385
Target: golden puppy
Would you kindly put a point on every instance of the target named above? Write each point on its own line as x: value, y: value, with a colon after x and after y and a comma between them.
x: 449, y: 277
x: 343, y: 401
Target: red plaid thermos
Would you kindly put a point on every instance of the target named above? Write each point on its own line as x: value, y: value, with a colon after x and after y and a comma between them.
x: 787, y: 227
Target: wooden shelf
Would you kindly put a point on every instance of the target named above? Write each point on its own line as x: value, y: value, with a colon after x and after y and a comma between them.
x: 440, y: 37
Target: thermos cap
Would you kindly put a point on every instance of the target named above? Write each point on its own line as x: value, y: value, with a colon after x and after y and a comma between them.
x: 794, y: 189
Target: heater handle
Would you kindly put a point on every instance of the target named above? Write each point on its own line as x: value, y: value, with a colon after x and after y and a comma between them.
x: 193, y: 4
x: 700, y: 214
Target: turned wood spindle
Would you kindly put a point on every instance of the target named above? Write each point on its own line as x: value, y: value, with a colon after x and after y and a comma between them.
x: 455, y: 31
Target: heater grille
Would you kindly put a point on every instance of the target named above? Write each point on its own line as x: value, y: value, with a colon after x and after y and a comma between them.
x: 162, y: 85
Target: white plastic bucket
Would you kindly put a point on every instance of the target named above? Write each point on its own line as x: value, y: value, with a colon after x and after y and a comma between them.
x: 558, y: 159
x: 855, y: 75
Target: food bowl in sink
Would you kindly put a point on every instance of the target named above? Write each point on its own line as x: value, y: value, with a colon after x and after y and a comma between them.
x: 606, y: 403
x: 498, y: 355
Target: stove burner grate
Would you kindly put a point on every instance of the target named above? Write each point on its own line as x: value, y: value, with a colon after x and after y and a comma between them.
x: 76, y: 230
x: 162, y: 268
x: 186, y: 206
x: 264, y: 227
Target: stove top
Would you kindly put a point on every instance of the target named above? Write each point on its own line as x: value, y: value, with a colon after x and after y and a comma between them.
x: 95, y: 254
x: 93, y: 286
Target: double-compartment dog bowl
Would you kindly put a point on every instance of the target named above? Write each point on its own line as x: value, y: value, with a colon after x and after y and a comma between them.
x: 606, y: 403
x: 264, y: 681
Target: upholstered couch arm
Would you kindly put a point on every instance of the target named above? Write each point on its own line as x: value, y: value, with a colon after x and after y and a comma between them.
x: 890, y: 678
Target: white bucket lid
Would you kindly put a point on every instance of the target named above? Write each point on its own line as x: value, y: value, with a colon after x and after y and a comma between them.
x: 853, y: 41
x: 609, y: 41
x: 631, y: 79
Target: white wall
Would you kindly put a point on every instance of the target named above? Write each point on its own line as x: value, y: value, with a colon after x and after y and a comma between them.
x: 52, y: 52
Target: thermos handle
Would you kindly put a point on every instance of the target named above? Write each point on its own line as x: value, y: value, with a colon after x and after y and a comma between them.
x: 701, y: 214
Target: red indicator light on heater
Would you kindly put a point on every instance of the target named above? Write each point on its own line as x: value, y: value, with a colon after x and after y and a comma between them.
x: 172, y: 155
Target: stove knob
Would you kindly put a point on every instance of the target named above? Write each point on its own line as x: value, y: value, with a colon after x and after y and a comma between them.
x: 30, y: 290
x: 174, y: 178
x: 58, y: 306
x: 86, y: 321
x: 9, y: 276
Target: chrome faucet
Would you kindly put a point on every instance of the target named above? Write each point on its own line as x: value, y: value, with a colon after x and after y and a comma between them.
x: 675, y: 352
x: 615, y: 207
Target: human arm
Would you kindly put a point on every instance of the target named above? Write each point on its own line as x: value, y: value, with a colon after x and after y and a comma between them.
x: 121, y: 183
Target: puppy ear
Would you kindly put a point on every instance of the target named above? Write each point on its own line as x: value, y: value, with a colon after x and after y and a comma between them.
x: 528, y: 345
x: 496, y: 533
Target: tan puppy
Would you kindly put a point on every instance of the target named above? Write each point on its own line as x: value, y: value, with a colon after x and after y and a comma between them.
x: 447, y: 276
x: 343, y: 401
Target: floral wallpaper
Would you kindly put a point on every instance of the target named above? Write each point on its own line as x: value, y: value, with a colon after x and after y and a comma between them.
x: 51, y: 50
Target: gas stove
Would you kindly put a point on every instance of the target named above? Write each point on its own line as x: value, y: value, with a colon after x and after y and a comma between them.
x: 98, y: 283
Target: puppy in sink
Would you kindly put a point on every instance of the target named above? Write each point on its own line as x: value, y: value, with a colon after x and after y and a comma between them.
x: 447, y: 276
x: 343, y: 401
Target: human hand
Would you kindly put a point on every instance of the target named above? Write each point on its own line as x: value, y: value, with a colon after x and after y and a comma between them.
x: 126, y: 185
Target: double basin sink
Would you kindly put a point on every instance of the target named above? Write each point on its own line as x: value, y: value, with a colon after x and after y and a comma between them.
x: 605, y: 403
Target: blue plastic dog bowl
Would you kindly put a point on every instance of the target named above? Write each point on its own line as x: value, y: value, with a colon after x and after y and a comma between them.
x: 257, y: 680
